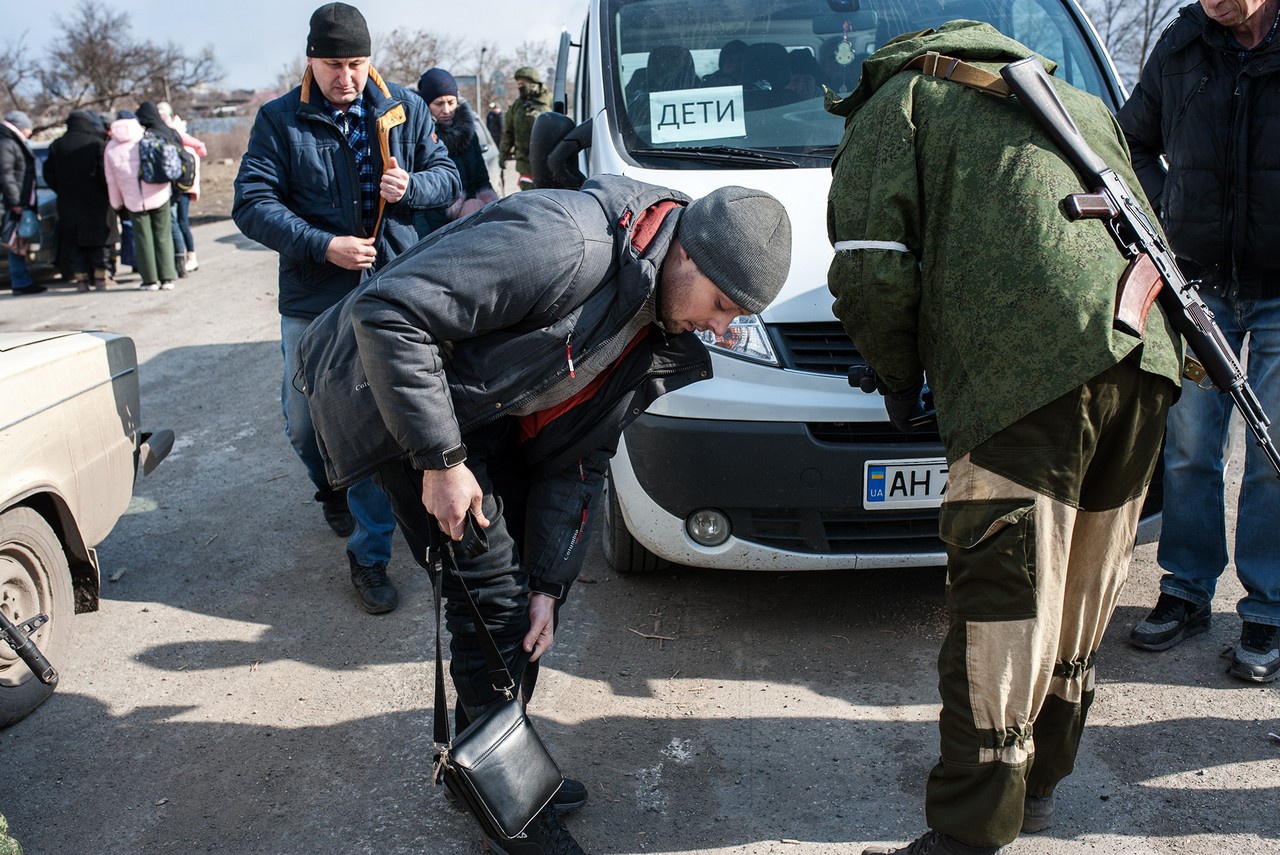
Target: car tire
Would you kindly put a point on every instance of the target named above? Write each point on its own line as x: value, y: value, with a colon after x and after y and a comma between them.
x: 34, y: 579
x: 623, y: 552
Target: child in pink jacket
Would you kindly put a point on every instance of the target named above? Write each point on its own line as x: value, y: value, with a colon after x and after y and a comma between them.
x: 147, y: 204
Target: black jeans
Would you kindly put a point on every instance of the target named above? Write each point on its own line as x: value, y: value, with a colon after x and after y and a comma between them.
x: 496, y: 579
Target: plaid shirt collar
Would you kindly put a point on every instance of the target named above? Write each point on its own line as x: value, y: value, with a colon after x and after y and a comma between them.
x: 353, y: 124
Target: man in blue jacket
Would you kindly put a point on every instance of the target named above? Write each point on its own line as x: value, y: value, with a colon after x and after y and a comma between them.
x: 334, y: 172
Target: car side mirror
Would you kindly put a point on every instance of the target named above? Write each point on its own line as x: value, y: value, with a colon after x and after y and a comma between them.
x: 554, y: 146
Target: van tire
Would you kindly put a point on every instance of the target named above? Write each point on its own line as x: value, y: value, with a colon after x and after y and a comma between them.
x: 34, y: 579
x: 623, y: 552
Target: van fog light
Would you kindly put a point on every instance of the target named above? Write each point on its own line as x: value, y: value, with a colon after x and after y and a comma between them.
x: 707, y: 527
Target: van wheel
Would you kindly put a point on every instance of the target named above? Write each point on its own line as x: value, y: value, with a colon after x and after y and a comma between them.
x: 621, y: 550
x: 34, y: 579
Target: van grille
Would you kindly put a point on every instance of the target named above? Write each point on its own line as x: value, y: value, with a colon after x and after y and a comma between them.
x: 820, y: 348
x: 825, y: 531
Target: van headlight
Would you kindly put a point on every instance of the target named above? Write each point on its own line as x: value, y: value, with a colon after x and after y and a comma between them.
x: 745, y: 337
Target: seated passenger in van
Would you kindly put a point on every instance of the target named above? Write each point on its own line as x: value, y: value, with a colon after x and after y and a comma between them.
x: 732, y: 56
x: 766, y: 73
x: 670, y: 68
x: 806, y: 75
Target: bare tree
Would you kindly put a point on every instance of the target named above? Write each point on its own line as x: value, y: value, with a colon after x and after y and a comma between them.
x: 15, y: 70
x: 402, y: 55
x: 1130, y: 29
x: 97, y: 64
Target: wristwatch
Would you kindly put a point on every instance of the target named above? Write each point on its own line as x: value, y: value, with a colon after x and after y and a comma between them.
x: 446, y: 459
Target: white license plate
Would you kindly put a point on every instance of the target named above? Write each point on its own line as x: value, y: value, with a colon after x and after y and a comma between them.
x: 904, y: 484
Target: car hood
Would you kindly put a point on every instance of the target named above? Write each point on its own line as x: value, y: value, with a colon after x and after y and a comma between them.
x: 14, y: 340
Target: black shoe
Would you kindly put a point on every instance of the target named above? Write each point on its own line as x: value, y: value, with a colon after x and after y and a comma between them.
x: 336, y: 512
x: 933, y: 843
x: 377, y: 594
x: 1171, y: 622
x: 1257, y: 656
x: 571, y: 796
x: 30, y: 289
x: 546, y: 835
x: 1037, y: 813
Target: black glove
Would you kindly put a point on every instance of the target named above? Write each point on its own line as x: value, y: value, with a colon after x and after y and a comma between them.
x: 903, y: 407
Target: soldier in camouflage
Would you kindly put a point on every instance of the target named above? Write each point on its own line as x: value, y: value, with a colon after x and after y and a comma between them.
x: 955, y: 260
x: 534, y: 99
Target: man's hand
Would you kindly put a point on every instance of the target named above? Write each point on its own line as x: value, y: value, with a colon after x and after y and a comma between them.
x: 395, y: 181
x: 903, y: 408
x: 351, y: 253
x: 448, y: 493
x: 542, y: 625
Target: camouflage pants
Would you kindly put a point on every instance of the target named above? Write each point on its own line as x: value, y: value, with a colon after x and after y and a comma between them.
x: 1039, y: 523
x: 8, y: 846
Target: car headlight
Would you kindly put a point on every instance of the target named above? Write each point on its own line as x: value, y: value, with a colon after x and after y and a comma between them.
x: 745, y: 337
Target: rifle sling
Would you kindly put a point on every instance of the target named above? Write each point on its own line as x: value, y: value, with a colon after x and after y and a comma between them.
x: 956, y: 70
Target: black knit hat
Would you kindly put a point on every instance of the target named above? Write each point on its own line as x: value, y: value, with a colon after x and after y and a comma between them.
x: 338, y: 31
x: 741, y: 240
x: 435, y: 82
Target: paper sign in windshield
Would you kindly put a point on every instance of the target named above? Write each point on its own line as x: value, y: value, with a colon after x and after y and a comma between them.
x: 685, y: 115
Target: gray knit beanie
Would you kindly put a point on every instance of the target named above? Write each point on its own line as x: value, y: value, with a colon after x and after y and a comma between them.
x: 18, y: 119
x: 741, y: 240
x: 338, y: 31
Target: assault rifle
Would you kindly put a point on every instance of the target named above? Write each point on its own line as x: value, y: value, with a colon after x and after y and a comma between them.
x: 1113, y: 202
x: 16, y: 636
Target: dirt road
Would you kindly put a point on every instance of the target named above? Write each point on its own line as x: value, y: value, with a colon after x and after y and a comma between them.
x: 231, y: 697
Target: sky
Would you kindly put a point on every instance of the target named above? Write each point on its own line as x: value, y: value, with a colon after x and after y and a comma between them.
x: 254, y: 40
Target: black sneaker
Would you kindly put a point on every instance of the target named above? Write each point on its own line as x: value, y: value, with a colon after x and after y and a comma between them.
x: 377, y: 594
x: 30, y: 289
x: 1171, y: 622
x: 1257, y: 656
x: 571, y: 796
x: 546, y: 835
x: 1037, y: 813
x: 336, y: 512
x: 934, y: 843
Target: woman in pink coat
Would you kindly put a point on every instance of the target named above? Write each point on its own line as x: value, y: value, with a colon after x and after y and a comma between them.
x: 147, y: 204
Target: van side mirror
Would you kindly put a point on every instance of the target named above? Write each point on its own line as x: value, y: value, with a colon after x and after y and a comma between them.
x: 554, y: 146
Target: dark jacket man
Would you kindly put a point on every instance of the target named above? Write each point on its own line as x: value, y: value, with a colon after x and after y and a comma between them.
x: 1217, y: 119
x: 469, y: 384
x: 87, y: 225
x: 1208, y: 104
x: 293, y: 194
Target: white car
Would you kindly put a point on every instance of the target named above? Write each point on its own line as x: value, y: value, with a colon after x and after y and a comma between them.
x: 71, y: 442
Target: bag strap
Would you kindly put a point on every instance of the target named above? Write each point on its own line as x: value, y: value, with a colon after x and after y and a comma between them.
x: 474, y: 542
x: 950, y: 68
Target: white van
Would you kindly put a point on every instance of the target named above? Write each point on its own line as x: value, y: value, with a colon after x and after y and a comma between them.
x: 775, y: 463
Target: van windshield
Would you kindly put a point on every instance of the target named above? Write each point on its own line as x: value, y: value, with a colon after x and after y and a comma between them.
x: 739, y: 82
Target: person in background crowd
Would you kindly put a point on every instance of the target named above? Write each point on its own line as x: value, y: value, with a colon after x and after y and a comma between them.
x: 184, y: 243
x: 18, y: 188
x: 457, y: 128
x: 493, y: 120
x: 334, y: 173
x: 147, y: 204
x: 1207, y: 103
x: 1051, y: 419
x: 518, y: 125
x: 87, y: 224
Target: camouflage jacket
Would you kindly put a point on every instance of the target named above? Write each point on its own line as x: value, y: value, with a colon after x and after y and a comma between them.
x: 519, y: 124
x: 953, y: 255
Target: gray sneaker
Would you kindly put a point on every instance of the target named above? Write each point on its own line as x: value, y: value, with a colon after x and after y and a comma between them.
x: 1257, y: 656
x: 1037, y: 813
x: 1171, y: 622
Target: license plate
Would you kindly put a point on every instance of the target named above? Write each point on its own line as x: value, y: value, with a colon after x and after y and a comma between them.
x: 904, y: 484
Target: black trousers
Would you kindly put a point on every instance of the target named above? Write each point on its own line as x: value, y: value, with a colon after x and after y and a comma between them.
x: 496, y: 579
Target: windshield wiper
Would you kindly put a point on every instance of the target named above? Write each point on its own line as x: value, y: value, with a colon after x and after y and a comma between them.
x: 722, y: 154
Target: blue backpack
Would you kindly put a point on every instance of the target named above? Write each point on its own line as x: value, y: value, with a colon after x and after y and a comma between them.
x: 159, y: 160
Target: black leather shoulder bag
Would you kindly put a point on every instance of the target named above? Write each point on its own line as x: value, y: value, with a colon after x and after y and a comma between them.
x: 497, y: 767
